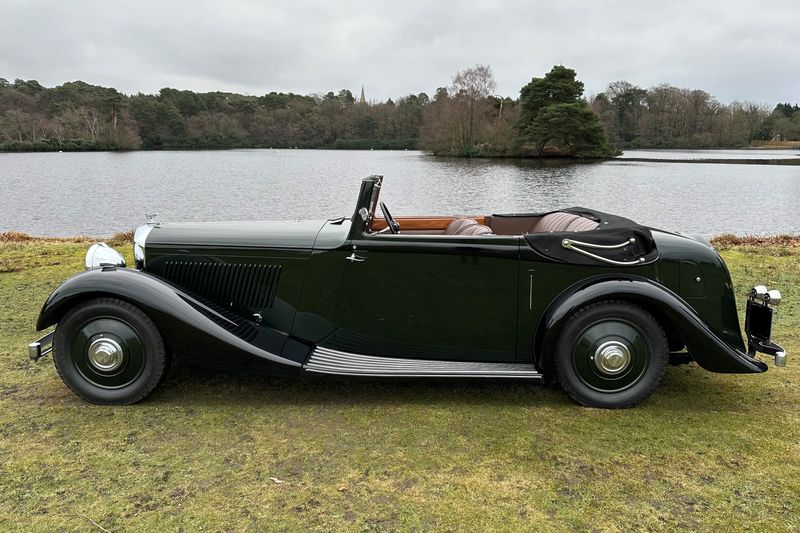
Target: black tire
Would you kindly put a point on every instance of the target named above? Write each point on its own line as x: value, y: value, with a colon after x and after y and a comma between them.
x: 86, y: 354
x: 611, y: 354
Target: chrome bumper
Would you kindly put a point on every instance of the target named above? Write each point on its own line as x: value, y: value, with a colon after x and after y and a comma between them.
x: 41, y: 347
x: 758, y: 324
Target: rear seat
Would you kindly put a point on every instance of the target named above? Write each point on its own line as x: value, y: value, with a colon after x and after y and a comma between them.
x: 561, y: 221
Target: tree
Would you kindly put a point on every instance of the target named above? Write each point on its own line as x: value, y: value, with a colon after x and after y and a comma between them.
x: 558, y: 86
x: 187, y: 102
x: 160, y: 124
x: 346, y: 98
x: 470, y: 88
x: 629, y: 101
x: 553, y: 114
x: 573, y: 126
x: 783, y: 124
x: 459, y: 117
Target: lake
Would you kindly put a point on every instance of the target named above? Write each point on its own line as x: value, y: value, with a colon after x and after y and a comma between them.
x: 65, y: 194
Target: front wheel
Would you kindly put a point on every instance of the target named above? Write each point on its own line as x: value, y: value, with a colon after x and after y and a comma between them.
x: 108, y: 351
x: 611, y: 354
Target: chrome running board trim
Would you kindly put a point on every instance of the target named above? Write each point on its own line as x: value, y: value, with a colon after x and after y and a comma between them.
x: 327, y: 361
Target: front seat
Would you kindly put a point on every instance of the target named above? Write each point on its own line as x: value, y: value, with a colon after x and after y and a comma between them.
x: 459, y: 224
x: 475, y: 229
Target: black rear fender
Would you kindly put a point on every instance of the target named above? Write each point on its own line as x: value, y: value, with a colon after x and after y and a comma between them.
x: 677, y: 318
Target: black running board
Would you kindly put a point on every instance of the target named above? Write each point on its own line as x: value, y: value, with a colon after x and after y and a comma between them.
x: 327, y: 361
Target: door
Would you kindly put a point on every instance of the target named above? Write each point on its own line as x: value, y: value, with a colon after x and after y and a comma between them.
x: 430, y: 297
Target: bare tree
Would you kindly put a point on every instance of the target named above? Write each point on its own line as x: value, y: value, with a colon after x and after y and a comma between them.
x: 471, y: 88
x: 458, y: 119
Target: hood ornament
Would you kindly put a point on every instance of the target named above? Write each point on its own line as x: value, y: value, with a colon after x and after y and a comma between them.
x: 152, y: 218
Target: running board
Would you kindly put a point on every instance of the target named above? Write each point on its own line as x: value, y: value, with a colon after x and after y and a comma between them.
x: 327, y: 361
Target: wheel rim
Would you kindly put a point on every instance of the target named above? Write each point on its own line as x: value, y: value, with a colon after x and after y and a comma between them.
x: 105, y: 354
x: 108, y: 352
x: 610, y: 355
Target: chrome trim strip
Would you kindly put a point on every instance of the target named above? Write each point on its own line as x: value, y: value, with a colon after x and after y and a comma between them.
x: 530, y: 290
x: 328, y: 361
x: 566, y: 243
x: 573, y: 245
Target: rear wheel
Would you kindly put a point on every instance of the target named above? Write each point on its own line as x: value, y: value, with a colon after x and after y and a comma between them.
x: 611, y: 354
x: 108, y: 351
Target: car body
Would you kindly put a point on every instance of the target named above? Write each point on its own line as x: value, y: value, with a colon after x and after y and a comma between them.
x: 596, y: 302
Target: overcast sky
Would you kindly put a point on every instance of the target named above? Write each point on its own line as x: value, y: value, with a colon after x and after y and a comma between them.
x: 732, y: 49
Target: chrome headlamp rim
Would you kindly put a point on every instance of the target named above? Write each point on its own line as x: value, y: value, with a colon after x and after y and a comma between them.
x: 100, y: 254
x: 773, y: 297
x: 765, y: 296
x: 139, y: 240
x: 759, y: 292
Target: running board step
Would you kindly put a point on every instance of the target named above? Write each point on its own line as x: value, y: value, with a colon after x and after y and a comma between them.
x: 327, y: 361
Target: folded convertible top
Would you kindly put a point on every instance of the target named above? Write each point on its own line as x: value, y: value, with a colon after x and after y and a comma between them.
x: 616, y: 241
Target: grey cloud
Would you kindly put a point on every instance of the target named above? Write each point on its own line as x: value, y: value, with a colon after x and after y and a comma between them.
x: 733, y: 49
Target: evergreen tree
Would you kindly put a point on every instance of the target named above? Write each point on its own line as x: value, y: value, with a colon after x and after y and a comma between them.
x: 554, y: 115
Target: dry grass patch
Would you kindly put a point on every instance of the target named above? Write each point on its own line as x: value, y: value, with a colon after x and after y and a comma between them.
x: 121, y: 238
x: 787, y: 243
x: 15, y: 236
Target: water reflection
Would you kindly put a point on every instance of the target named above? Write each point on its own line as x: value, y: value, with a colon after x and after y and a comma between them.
x: 99, y: 193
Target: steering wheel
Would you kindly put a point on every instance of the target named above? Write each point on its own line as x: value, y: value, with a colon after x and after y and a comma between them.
x: 392, y: 224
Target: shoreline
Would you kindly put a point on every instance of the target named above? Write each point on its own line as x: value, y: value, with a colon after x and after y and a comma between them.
x: 716, y: 161
x: 789, y: 159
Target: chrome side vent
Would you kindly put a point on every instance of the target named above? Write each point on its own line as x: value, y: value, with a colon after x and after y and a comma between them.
x: 241, y: 285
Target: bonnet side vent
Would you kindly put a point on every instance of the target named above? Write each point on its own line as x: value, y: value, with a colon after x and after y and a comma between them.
x: 240, y: 285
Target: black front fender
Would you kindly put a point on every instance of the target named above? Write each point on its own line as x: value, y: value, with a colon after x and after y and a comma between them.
x: 187, y: 324
x: 705, y: 346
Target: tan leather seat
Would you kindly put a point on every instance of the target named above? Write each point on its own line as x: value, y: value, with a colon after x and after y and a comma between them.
x: 561, y: 221
x: 458, y: 224
x: 582, y: 224
x: 475, y: 229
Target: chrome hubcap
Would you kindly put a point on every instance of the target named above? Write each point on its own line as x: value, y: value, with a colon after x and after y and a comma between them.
x: 105, y: 354
x: 612, y: 357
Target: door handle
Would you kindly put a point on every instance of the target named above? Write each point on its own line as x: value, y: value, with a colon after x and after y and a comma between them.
x: 353, y: 258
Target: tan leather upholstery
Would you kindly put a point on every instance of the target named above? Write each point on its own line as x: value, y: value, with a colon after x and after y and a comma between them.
x: 458, y: 224
x: 561, y: 221
x: 475, y: 229
x: 582, y: 224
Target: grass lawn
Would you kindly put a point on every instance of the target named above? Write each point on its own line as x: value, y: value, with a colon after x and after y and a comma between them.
x: 213, y: 452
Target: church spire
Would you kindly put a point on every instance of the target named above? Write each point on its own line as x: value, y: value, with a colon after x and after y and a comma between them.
x: 362, y: 100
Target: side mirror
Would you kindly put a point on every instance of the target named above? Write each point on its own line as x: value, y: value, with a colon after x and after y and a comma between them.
x: 364, y: 214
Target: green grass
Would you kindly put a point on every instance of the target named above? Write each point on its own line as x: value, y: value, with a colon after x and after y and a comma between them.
x: 706, y: 452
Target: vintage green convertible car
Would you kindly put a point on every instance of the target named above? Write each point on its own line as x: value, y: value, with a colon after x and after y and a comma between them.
x: 593, y: 301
